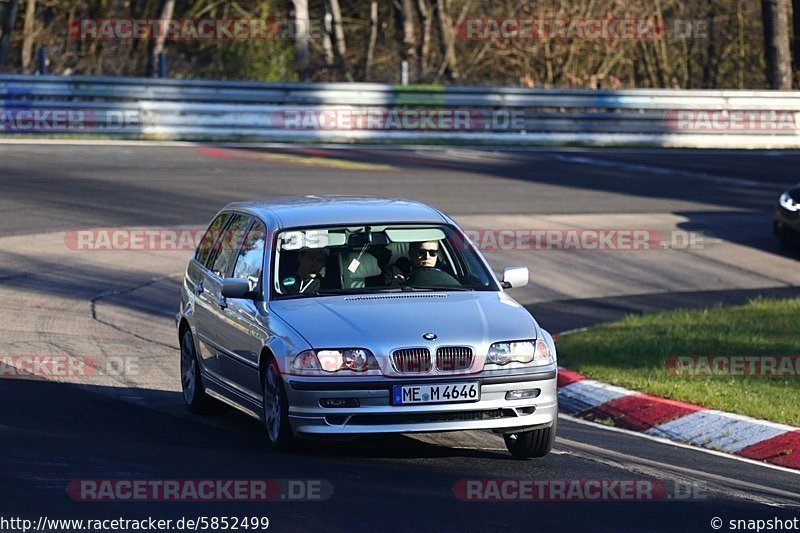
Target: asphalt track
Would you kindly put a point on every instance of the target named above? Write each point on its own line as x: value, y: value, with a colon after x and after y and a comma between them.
x: 57, y: 300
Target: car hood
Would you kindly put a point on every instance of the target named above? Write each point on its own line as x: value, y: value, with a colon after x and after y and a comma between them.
x: 383, y: 322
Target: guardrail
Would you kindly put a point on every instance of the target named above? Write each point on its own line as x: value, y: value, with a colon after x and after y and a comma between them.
x: 375, y: 113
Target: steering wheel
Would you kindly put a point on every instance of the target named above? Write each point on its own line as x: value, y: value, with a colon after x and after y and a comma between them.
x: 432, y: 276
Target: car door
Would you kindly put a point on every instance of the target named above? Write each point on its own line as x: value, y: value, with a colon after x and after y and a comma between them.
x: 238, y: 358
x: 195, y: 285
x: 211, y: 307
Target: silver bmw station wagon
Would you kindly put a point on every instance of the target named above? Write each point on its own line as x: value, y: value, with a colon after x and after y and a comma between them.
x: 333, y: 315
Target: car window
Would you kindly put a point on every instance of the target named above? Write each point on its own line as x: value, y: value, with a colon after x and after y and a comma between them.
x: 322, y: 261
x: 206, y: 245
x: 228, y: 245
x: 251, y: 256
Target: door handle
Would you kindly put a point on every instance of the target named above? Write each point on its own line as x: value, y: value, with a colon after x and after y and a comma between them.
x: 198, y: 288
x: 222, y: 302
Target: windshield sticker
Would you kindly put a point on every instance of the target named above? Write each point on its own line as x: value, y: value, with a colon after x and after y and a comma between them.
x: 313, y: 238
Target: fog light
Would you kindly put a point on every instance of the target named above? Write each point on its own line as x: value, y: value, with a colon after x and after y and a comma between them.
x: 339, y: 402
x: 522, y: 394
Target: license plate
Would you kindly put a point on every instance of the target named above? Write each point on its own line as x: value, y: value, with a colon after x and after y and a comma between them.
x: 436, y: 393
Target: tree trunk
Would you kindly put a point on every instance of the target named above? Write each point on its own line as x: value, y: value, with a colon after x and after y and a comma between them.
x: 338, y: 32
x: 426, y: 13
x: 710, y: 63
x: 740, y: 18
x: 776, y: 43
x: 7, y: 18
x: 327, y: 41
x: 448, y: 42
x: 373, y: 37
x: 27, y: 34
x: 302, y: 22
x: 409, y: 50
x: 157, y: 47
x: 796, y: 28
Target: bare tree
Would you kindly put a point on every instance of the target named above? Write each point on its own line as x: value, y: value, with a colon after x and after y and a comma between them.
x: 450, y: 63
x: 8, y: 15
x: 167, y: 9
x: 303, y: 24
x: 796, y: 39
x: 327, y: 41
x: 776, y: 43
x: 373, y: 37
x: 27, y: 34
x: 709, y: 65
x: 409, y: 48
x: 338, y: 32
x: 426, y: 13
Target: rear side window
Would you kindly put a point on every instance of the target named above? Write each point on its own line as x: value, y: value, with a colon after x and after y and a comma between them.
x: 228, y: 245
x: 207, y: 242
x: 251, y: 256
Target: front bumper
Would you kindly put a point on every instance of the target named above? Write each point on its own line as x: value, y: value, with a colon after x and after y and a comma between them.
x: 376, y: 414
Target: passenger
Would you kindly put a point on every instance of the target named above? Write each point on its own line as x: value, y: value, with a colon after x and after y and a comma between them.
x: 308, y: 278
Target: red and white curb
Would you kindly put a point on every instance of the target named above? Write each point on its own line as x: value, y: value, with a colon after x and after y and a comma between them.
x: 592, y: 400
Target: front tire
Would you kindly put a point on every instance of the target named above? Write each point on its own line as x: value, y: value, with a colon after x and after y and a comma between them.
x: 529, y: 444
x: 194, y: 393
x: 276, y: 409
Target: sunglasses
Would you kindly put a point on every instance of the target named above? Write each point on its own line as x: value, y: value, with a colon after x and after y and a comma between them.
x: 424, y: 251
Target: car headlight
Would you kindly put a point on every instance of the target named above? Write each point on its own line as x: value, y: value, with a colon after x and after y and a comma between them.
x: 788, y: 203
x: 525, y: 352
x: 334, y: 360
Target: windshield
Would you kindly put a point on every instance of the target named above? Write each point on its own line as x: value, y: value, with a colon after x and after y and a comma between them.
x: 364, y: 259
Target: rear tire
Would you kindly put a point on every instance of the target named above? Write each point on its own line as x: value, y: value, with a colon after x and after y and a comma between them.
x: 276, y: 409
x: 529, y: 444
x: 194, y: 393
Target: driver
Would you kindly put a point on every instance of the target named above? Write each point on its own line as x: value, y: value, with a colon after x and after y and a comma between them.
x: 422, y: 254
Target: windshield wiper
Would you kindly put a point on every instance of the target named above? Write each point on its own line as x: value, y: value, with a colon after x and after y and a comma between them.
x: 368, y: 290
x: 321, y: 292
x: 435, y: 288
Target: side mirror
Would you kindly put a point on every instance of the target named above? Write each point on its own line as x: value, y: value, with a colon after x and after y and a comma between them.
x: 235, y: 288
x: 515, y: 277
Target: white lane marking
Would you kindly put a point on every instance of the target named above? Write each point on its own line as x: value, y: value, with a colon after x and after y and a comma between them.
x: 681, y: 445
x: 664, y: 171
x: 726, y: 485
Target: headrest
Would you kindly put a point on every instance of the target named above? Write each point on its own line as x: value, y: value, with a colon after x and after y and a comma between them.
x: 367, y: 265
